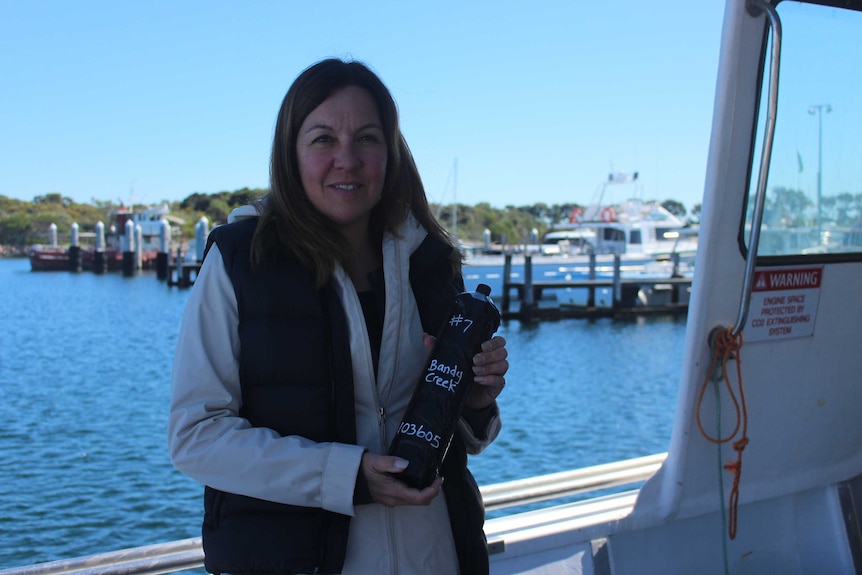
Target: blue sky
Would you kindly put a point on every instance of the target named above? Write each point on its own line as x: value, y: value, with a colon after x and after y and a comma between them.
x: 145, y: 101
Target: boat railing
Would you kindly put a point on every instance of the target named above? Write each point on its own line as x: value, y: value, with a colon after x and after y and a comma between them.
x: 187, y: 554
x: 566, y: 483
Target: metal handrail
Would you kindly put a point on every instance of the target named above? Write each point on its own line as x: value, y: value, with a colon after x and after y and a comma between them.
x: 765, y: 157
x: 188, y: 554
x: 565, y: 483
x: 148, y: 560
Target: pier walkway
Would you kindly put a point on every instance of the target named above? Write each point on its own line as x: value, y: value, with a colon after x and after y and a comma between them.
x: 631, y: 296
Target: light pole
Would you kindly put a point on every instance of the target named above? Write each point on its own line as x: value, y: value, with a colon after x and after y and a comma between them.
x: 818, y: 109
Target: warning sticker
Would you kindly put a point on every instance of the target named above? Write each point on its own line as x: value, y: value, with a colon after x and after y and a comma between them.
x: 783, y: 303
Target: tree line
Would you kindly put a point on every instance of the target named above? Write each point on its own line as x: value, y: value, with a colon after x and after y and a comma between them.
x: 24, y: 223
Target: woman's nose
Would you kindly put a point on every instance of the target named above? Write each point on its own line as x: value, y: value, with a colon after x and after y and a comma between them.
x: 347, y: 156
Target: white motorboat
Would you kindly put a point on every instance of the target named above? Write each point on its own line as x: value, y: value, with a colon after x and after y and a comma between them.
x: 632, y: 228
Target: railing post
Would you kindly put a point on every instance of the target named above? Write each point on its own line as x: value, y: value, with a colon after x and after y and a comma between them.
x: 507, y: 272
x: 528, y: 300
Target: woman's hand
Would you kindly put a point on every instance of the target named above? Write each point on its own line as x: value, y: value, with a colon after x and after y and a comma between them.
x: 489, y: 369
x: 387, y: 489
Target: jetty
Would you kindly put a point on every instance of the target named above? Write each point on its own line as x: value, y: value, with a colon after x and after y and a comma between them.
x: 181, y: 272
x: 630, y: 296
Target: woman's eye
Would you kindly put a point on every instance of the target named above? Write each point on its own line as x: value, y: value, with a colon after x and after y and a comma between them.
x: 369, y: 138
x: 325, y: 139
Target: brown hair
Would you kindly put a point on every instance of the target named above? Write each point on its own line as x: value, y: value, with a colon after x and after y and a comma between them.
x: 289, y: 224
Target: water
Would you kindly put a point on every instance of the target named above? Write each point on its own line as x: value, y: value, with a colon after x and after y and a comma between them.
x: 85, y: 366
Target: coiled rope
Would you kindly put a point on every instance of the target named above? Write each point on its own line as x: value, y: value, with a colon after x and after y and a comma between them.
x: 726, y: 347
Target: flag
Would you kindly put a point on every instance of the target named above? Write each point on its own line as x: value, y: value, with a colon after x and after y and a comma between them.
x: 799, y: 159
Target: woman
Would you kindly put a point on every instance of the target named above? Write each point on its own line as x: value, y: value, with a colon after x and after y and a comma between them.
x: 300, y: 347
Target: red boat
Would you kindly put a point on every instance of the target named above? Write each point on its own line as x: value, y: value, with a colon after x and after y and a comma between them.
x: 49, y: 259
x: 56, y: 258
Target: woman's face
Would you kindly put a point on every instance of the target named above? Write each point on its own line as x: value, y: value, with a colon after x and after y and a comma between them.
x: 342, y: 154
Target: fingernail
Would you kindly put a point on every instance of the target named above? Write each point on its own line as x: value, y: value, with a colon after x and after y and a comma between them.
x: 401, y: 464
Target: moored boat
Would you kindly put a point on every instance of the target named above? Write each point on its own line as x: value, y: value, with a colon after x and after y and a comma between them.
x: 48, y: 258
x: 57, y: 258
x: 632, y: 228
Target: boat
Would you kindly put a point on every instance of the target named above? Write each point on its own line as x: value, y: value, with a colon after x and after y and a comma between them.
x: 763, y: 471
x: 787, y: 240
x: 53, y: 257
x: 150, y: 221
x: 640, y: 230
x: 48, y: 258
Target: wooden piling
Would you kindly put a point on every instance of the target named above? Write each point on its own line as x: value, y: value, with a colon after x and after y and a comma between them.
x: 181, y: 273
x: 527, y: 294
x: 129, y: 267
x: 507, y: 275
x: 162, y: 259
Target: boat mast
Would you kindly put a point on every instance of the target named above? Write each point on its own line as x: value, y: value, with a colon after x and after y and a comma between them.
x: 452, y: 177
x: 455, y: 199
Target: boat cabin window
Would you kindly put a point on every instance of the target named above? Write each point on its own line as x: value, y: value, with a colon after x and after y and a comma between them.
x: 635, y: 237
x: 813, y: 205
x: 613, y: 235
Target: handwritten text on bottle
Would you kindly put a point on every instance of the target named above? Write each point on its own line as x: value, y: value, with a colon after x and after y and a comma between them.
x: 446, y: 376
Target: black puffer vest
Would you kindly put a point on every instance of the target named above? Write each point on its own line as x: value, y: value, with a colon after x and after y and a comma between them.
x: 296, y: 377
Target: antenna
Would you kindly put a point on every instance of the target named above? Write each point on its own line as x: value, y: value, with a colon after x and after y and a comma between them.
x: 132, y: 193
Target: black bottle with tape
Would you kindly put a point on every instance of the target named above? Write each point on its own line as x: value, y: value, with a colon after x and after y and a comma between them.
x: 432, y: 416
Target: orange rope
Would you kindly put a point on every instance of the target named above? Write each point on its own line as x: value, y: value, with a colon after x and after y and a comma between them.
x: 726, y: 348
